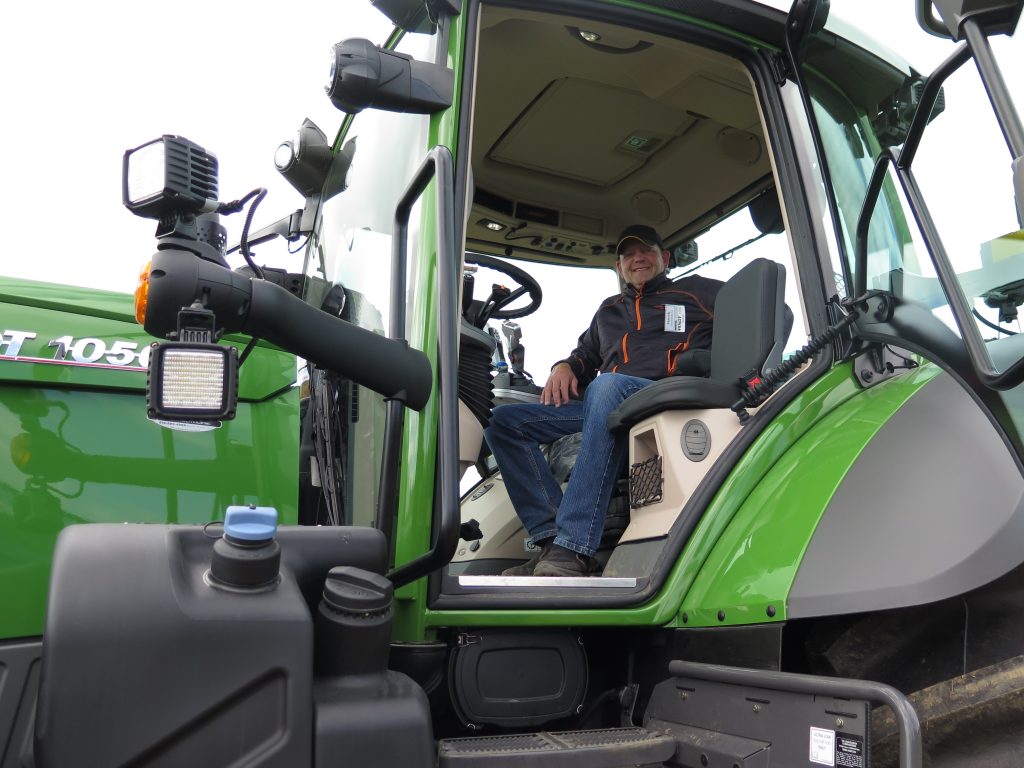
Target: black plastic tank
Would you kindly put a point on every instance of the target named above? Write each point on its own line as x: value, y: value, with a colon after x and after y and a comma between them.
x: 176, y: 646
x: 366, y: 714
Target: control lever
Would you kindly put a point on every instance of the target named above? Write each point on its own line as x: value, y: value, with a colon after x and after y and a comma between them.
x: 499, y: 351
x: 513, y: 343
x: 499, y: 295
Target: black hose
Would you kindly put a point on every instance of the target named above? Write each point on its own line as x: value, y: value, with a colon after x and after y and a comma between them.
x: 754, y: 395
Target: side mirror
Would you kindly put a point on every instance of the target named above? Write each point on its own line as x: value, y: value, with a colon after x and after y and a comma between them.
x: 364, y: 75
x: 414, y: 15
x: 766, y: 214
x: 995, y: 16
x: 683, y: 255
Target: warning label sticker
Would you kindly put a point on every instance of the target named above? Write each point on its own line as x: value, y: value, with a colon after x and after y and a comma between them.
x: 849, y: 750
x: 823, y: 746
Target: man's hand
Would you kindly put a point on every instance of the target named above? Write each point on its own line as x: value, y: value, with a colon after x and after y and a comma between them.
x: 561, y: 386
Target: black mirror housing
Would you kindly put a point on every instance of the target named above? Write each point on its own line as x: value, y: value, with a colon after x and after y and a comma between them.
x: 995, y: 16
x: 416, y: 15
x: 364, y: 75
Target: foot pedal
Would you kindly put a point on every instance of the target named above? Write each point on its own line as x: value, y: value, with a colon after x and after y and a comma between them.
x: 604, y: 748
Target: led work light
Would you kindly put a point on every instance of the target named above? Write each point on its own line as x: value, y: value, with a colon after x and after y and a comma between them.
x: 167, y: 176
x: 190, y: 381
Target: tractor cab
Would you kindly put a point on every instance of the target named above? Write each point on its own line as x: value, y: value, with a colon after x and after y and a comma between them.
x: 573, y: 127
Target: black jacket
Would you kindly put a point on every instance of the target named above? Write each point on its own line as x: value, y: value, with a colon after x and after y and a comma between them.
x: 628, y: 333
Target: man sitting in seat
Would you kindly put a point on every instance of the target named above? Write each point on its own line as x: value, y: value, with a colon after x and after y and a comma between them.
x: 635, y: 338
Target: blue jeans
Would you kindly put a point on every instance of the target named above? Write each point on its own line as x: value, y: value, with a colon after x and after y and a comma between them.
x: 576, y: 519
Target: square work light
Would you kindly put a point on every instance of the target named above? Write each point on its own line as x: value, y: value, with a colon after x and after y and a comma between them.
x: 170, y: 175
x: 190, y: 382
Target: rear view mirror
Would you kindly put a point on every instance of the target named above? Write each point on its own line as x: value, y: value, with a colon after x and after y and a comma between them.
x: 994, y: 16
x: 684, y: 254
x: 413, y: 15
x: 364, y: 75
x: 766, y: 214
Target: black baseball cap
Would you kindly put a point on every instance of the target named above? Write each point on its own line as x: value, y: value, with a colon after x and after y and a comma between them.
x: 641, y: 232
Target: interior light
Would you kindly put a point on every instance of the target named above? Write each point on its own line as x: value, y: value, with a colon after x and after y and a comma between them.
x: 192, y: 381
x: 590, y: 37
x: 142, y: 294
x: 491, y: 224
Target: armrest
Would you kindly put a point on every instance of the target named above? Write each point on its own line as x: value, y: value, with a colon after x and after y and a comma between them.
x: 693, y: 362
x: 673, y: 393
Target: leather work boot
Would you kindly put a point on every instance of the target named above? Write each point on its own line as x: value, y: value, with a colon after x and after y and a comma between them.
x: 526, y: 569
x: 559, y: 561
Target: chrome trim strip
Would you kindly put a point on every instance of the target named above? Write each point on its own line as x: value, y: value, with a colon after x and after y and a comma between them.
x: 563, y: 582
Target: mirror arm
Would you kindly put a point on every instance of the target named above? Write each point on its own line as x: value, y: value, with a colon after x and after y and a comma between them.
x: 929, y: 94
x: 291, y: 227
x: 1002, y: 104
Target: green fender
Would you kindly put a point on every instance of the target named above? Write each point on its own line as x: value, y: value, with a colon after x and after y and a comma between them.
x: 751, y: 541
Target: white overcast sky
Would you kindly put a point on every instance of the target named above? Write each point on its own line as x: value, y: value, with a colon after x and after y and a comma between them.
x: 82, y: 82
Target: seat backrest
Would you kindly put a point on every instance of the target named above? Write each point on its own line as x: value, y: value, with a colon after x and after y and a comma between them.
x: 750, y: 322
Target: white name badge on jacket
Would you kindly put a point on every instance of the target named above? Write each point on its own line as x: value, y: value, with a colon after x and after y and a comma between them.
x: 675, y: 318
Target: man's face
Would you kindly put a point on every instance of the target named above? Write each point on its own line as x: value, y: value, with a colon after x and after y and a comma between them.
x: 640, y: 262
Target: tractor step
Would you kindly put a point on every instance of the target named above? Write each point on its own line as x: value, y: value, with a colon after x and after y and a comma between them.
x: 603, y: 748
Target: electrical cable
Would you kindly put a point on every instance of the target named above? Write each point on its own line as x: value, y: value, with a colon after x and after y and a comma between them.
x: 724, y: 256
x: 302, y: 244
x: 910, y: 362
x: 234, y: 207
x: 754, y: 395
x: 992, y: 325
x: 247, y: 350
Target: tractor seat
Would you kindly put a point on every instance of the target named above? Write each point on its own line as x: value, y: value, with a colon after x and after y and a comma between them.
x: 752, y: 323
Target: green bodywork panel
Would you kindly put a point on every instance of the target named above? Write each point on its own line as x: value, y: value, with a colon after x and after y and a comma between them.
x: 746, y: 549
x: 747, y: 575
x: 80, y: 448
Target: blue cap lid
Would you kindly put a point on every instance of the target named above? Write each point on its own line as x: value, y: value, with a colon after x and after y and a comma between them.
x: 250, y: 523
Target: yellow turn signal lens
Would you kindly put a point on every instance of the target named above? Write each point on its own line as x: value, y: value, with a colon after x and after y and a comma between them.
x: 142, y: 294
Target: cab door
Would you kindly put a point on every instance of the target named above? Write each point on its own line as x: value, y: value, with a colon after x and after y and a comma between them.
x: 925, y: 189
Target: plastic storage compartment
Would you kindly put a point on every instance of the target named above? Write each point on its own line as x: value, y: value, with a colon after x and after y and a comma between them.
x: 145, y: 662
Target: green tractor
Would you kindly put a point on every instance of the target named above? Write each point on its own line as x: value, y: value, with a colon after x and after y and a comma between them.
x: 816, y: 556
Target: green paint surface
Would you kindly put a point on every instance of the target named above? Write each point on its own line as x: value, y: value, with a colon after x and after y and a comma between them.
x: 78, y: 447
x: 744, y: 551
x: 755, y: 558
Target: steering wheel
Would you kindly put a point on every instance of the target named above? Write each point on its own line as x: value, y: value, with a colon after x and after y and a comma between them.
x: 527, y: 285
